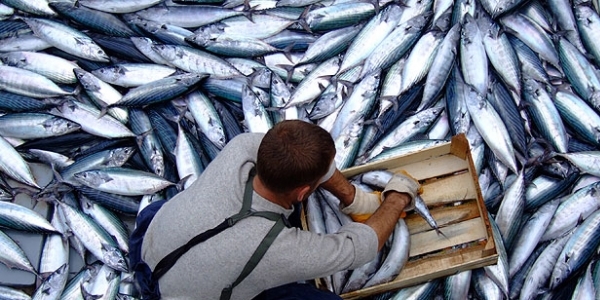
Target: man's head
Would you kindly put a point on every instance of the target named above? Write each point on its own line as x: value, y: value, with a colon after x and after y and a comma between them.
x: 293, y: 154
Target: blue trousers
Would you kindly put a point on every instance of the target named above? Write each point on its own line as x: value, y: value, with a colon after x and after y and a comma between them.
x: 296, y: 291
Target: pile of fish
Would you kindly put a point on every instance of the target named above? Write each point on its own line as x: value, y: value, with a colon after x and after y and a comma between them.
x: 126, y: 102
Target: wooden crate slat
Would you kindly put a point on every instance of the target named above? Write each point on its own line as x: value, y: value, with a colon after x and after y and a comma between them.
x: 433, y: 167
x: 456, y: 234
x: 449, y: 189
x: 396, y: 162
x: 444, y: 216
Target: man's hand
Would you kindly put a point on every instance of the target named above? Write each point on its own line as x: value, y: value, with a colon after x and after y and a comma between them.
x: 402, y: 182
x: 363, y: 206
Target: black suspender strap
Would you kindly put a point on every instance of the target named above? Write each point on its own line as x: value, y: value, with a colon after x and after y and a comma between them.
x: 169, y: 261
x: 256, y: 256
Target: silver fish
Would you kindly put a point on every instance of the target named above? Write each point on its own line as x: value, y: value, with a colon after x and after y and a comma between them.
x: 28, y: 83
x: 123, y: 181
x: 12, y: 255
x: 396, y: 258
x: 94, y: 237
x: 67, y: 39
x: 133, y: 74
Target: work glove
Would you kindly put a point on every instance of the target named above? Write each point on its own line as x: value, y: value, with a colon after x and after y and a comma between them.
x: 402, y: 182
x: 363, y: 205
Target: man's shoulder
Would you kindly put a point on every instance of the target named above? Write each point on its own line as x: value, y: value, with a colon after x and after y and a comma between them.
x: 247, y: 137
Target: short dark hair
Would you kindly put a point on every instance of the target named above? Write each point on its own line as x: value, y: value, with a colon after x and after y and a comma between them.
x: 294, y: 153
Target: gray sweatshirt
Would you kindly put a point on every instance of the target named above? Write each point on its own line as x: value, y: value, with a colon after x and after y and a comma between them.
x: 207, y: 268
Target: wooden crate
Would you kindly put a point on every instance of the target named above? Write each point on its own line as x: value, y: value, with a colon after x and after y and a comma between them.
x: 452, y: 193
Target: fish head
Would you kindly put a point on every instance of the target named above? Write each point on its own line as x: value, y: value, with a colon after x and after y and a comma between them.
x: 113, y: 257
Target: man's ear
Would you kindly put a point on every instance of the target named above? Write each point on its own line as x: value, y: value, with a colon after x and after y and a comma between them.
x: 303, y: 192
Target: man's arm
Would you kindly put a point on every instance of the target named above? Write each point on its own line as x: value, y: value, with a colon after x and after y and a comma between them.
x: 384, y: 219
x: 340, y: 187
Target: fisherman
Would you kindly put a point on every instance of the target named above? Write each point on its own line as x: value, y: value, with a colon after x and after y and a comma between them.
x: 255, y: 184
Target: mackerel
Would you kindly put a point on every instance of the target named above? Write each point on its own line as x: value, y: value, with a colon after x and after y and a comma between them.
x: 25, y: 42
x: 28, y: 83
x: 261, y: 26
x: 280, y: 93
x: 359, y: 276
x: 330, y: 44
x: 533, y: 36
x: 530, y: 63
x: 232, y: 46
x: 148, y: 143
x: 256, y: 117
x: 338, y: 16
x: 370, y: 36
x: 103, y: 285
x: 588, y: 24
x: 456, y: 286
x: 55, y: 250
x: 413, y: 125
x: 13, y: 293
x: 91, y: 119
x: 146, y: 46
x: 103, y: 22
x: 562, y: 10
x: 545, y: 188
x: 107, y: 220
x: 347, y: 143
x: 545, y: 115
x: 196, y: 61
x: 572, y: 210
x: 310, y: 87
x: 159, y: 90
x: 187, y: 159
x: 35, y: 125
x: 526, y: 242
x: 488, y: 122
x: 578, y: 250
x: 55, y: 68
x: 133, y: 74
x: 417, y: 292
x: 580, y: 73
x: 396, y: 258
x: 102, y: 93
x: 53, y: 285
x: 359, y: 104
x: 105, y: 158
x: 588, y: 162
x: 393, y: 46
x: 456, y: 95
x: 576, y: 113
x: 123, y: 181
x: 420, y: 59
x: 14, y: 165
x: 13, y: 256
x: 539, y: 274
x: 498, y: 272
x: 206, y: 117
x: 472, y: 50
x: 188, y: 16
x: 501, y: 54
x: 68, y: 39
x: 585, y: 285
x: 441, y: 66
x: 94, y: 237
x: 484, y: 286
x: 35, y: 7
x: 117, y: 6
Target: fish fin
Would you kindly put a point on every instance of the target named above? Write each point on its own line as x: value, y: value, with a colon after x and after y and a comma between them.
x: 290, y: 71
x: 302, y: 19
x: 287, y: 51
